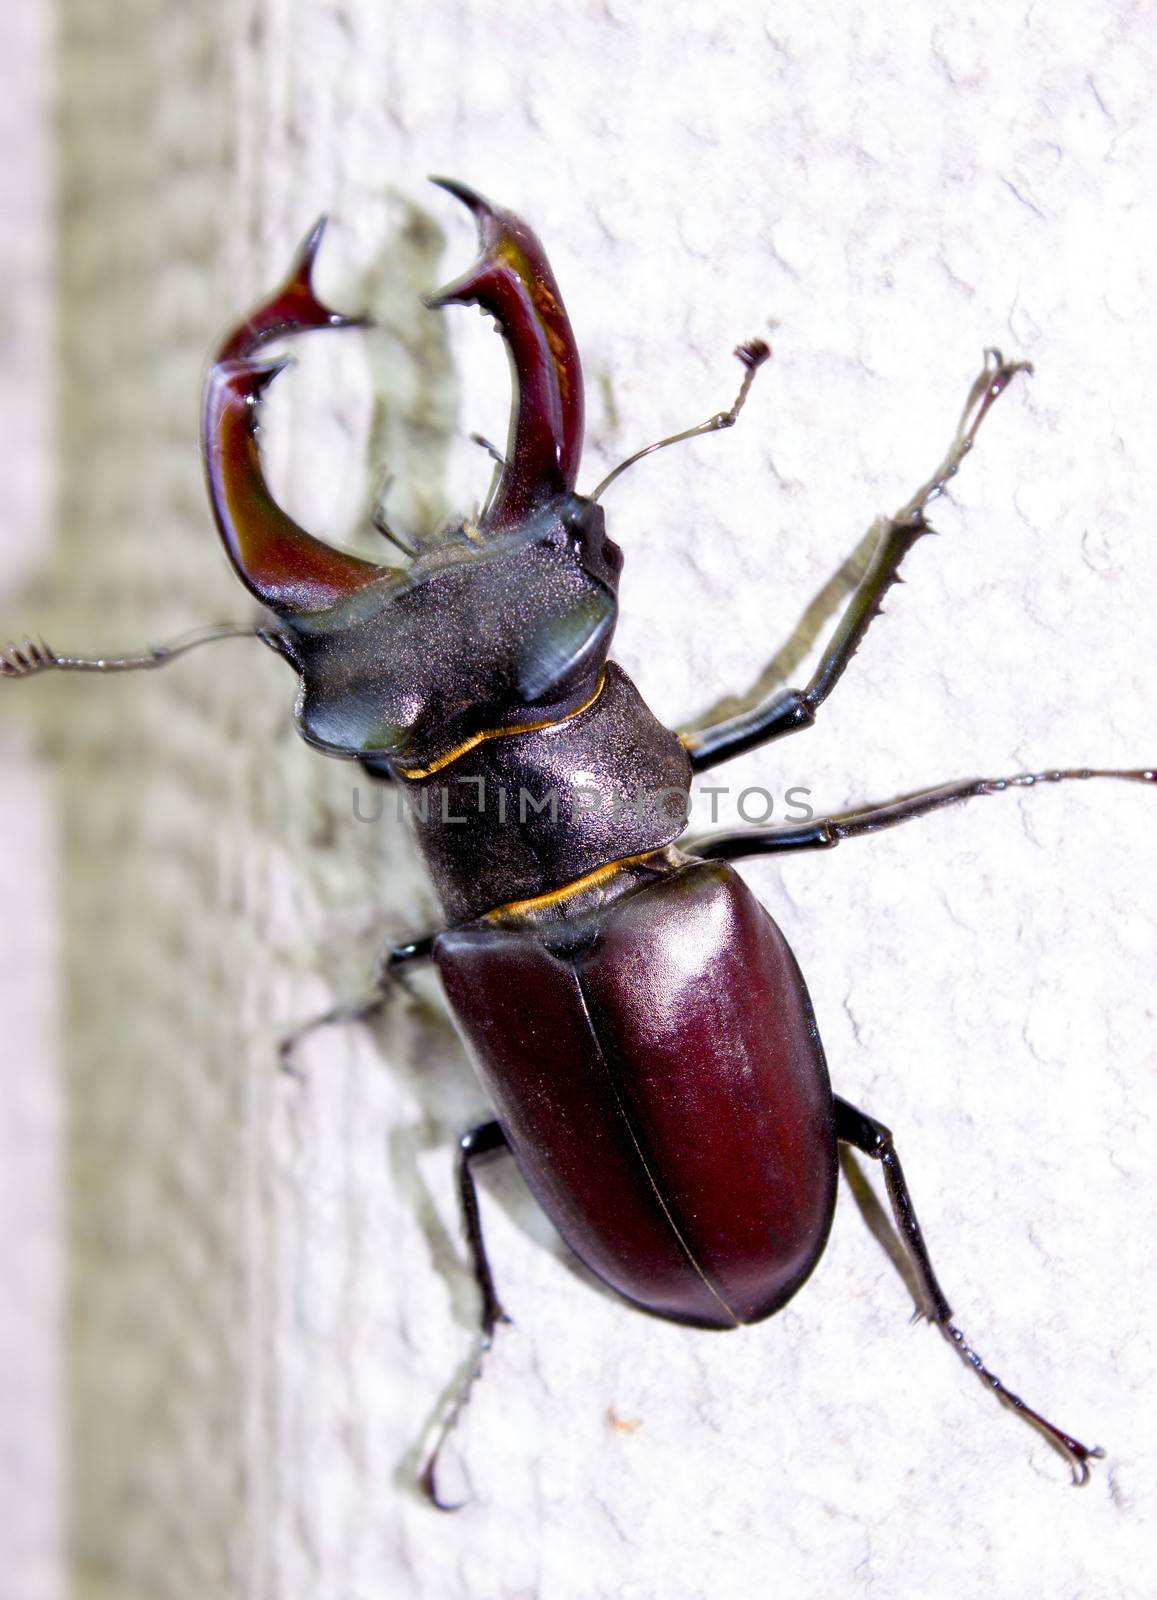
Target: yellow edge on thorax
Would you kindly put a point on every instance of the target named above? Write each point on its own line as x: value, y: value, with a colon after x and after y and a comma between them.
x: 538, y: 902
x: 476, y: 739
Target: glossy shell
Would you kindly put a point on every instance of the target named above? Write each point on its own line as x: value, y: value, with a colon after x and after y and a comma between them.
x: 656, y: 1069
x: 611, y: 782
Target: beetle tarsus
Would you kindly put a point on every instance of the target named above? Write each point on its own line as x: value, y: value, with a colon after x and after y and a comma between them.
x: 989, y: 384
x: 381, y: 523
x: 428, y: 1476
x: 427, y: 1482
x: 345, y: 1012
x: 1077, y: 1455
x: 491, y: 450
x: 865, y: 1134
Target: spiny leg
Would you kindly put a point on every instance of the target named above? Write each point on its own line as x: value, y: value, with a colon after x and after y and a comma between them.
x: 386, y: 983
x: 482, y: 1141
x: 872, y: 1138
x: 825, y: 604
x: 823, y: 833
x: 34, y: 655
x: 795, y: 709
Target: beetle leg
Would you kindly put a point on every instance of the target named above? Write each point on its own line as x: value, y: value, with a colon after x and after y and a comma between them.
x: 794, y: 709
x: 481, y: 1141
x: 872, y: 1138
x: 371, y: 1005
x: 34, y: 655
x: 822, y: 833
x: 813, y: 619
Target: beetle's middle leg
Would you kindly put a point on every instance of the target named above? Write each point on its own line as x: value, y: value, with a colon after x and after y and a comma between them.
x: 872, y: 1138
x: 794, y: 709
x: 479, y: 1142
x: 823, y: 833
x: 370, y: 1006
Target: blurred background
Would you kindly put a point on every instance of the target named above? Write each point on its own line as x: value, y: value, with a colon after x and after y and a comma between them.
x: 234, y: 1301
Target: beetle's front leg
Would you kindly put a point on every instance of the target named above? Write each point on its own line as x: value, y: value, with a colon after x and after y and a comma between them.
x: 794, y: 709
x: 872, y: 1138
x: 485, y: 1140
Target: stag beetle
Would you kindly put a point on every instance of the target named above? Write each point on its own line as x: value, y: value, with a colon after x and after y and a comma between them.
x: 637, y: 1019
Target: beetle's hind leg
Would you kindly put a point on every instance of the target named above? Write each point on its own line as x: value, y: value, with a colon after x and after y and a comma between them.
x: 872, y: 1138
x: 485, y: 1140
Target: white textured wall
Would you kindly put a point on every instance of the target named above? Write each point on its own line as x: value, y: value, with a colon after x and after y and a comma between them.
x: 32, y: 1203
x: 265, y: 1284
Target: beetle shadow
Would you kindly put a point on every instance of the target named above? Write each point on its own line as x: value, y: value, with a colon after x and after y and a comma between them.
x: 880, y: 1226
x: 426, y: 1055
x: 430, y: 1059
x: 435, y: 1067
x: 415, y: 417
x: 823, y: 606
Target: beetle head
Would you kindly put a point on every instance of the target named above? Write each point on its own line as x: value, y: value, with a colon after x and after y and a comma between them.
x: 498, y: 622
x: 476, y: 634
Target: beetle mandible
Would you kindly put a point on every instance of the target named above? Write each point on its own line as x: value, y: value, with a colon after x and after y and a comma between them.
x: 681, y: 1037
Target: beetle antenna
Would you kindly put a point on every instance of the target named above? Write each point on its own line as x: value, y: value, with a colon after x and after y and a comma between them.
x: 35, y: 655
x: 500, y: 467
x: 380, y: 524
x: 752, y: 354
x: 491, y: 450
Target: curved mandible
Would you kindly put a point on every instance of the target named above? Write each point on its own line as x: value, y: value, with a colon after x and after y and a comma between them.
x: 512, y: 281
x: 278, y: 561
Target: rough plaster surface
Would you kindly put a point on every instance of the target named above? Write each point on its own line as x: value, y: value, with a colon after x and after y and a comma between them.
x: 266, y: 1287
x: 32, y: 1246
